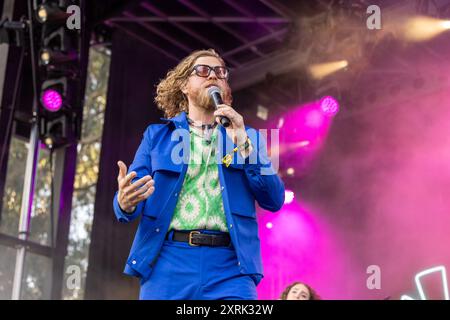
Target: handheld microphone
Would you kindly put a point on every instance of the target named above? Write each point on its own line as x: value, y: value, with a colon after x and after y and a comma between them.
x: 214, y: 94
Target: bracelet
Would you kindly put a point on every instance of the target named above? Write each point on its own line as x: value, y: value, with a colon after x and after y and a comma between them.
x: 245, y: 145
x: 229, y: 157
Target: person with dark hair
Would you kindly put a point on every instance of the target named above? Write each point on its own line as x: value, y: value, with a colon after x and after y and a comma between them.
x: 195, y: 183
x: 299, y: 291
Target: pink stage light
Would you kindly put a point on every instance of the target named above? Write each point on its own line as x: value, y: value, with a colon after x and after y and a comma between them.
x: 329, y: 106
x: 51, y: 100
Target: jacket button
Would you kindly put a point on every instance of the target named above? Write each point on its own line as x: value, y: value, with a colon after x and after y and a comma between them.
x: 176, y: 194
x: 239, y: 263
x: 133, y: 262
x: 157, y: 229
x: 231, y: 226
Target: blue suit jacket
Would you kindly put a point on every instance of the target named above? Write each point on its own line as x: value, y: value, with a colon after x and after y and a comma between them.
x: 164, y: 154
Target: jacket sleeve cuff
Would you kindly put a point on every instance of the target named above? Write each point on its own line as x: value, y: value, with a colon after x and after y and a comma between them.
x: 124, y: 216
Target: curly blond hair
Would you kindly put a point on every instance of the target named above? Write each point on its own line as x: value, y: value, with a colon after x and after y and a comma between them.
x: 169, y: 97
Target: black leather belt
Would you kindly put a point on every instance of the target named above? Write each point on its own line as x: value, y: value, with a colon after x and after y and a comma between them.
x: 196, y: 238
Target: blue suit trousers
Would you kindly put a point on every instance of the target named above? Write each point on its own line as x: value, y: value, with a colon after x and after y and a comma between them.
x: 185, y: 272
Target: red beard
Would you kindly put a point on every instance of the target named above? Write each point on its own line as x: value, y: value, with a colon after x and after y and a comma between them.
x: 203, y: 100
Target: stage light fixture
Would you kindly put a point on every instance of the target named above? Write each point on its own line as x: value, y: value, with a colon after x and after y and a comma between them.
x: 262, y: 112
x: 288, y: 196
x: 55, y: 132
x: 445, y: 24
x: 45, y: 57
x: 53, y: 93
x: 47, y: 13
x: 322, y: 70
x: 422, y: 28
x: 48, y: 56
x: 51, y: 100
x: 59, y: 55
x: 329, y: 106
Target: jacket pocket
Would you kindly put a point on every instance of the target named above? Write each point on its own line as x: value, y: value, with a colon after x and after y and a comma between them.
x: 165, y: 173
x: 163, y: 162
x: 243, y: 207
x: 150, y: 209
x: 244, y: 213
x: 241, y: 199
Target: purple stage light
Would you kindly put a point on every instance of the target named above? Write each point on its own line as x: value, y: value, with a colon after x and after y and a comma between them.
x: 52, y: 100
x: 329, y: 106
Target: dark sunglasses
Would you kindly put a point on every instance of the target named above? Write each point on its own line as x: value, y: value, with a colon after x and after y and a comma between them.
x: 203, y: 70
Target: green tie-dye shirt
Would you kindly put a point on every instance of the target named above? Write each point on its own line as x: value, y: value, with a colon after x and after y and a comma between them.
x: 200, y: 204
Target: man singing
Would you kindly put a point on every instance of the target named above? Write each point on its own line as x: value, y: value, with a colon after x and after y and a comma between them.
x: 195, y: 183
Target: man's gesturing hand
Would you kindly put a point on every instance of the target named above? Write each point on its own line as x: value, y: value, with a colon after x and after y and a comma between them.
x: 130, y: 194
